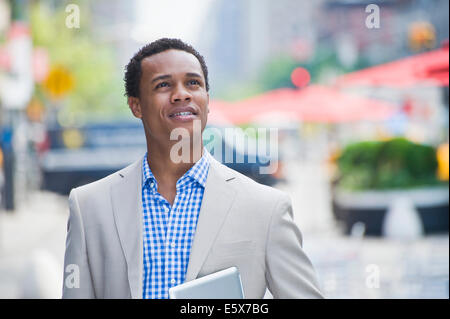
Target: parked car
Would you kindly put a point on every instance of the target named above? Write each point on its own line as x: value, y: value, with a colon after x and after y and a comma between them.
x: 71, y: 157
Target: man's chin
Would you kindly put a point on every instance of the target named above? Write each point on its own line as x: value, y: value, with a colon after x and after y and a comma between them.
x: 186, y: 128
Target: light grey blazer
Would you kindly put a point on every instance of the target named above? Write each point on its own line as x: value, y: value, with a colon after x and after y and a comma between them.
x: 241, y: 223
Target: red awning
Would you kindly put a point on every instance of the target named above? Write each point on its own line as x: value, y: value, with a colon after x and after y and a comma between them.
x: 430, y: 68
x: 312, y: 104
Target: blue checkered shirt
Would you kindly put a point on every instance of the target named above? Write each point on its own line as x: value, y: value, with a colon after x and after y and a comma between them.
x: 169, y: 231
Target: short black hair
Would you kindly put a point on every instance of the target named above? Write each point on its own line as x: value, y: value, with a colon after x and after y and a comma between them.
x: 133, y: 69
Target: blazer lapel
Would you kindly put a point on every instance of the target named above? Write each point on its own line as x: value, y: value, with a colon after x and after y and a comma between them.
x: 217, y: 200
x: 127, y: 207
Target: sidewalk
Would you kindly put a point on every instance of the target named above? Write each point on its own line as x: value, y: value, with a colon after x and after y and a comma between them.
x: 32, y: 243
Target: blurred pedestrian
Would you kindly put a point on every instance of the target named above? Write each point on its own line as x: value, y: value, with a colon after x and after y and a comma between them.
x: 160, y: 222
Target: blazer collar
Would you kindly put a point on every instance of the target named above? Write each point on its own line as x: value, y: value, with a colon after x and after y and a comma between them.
x: 126, y: 200
x: 217, y: 201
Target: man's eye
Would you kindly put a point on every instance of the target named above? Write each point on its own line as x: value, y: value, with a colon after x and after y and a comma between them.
x: 194, y: 82
x: 162, y: 84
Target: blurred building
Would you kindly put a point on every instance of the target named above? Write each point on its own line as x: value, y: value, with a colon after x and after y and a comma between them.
x: 345, y: 25
x: 239, y: 36
x: 112, y: 23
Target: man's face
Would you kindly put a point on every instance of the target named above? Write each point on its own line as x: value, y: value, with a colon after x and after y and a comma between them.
x: 172, y: 94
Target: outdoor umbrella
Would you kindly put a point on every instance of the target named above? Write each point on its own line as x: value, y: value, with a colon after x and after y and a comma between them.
x: 314, y: 103
x: 426, y: 68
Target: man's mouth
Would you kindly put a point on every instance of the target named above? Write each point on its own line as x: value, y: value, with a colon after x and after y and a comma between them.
x: 183, y: 114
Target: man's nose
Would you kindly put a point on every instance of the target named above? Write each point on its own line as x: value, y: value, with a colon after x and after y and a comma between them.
x: 181, y: 94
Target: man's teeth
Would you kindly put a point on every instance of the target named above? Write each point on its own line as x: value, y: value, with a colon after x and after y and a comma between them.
x: 183, y: 113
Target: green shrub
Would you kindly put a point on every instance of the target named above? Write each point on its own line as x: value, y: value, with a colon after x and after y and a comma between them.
x: 393, y: 164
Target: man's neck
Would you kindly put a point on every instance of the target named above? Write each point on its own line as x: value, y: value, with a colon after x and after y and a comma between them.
x: 168, y: 170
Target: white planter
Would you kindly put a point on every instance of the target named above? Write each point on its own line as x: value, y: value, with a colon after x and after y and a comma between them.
x: 370, y: 207
x: 420, y: 197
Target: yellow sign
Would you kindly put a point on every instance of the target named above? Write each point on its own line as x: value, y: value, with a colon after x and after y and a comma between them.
x: 442, y: 157
x: 59, y: 82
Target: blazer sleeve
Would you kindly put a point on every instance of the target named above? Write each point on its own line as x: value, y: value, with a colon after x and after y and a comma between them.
x: 289, y: 272
x: 77, y: 281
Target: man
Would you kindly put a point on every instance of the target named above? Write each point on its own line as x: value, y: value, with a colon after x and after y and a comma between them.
x: 160, y: 221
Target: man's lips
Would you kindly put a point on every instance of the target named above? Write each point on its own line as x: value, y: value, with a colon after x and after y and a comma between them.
x: 183, y: 118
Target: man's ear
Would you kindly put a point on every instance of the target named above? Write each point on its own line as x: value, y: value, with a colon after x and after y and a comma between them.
x: 207, y: 105
x: 135, y: 106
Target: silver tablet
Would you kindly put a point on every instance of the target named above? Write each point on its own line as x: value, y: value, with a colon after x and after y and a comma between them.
x: 225, y: 284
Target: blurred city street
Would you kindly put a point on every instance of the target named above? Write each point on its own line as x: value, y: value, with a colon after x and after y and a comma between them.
x: 32, y: 242
x: 342, y: 104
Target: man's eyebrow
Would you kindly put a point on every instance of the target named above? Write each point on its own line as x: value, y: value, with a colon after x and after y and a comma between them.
x: 167, y: 76
x: 161, y: 77
x: 196, y: 75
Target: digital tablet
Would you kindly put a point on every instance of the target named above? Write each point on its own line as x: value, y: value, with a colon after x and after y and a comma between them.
x: 225, y: 284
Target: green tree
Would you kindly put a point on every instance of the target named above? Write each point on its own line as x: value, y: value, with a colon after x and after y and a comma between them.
x: 98, y: 90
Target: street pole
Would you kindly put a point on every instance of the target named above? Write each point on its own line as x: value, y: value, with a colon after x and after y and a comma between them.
x: 8, y: 167
x: 16, y: 90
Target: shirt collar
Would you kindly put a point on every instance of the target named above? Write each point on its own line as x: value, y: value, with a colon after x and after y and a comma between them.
x: 197, y: 173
